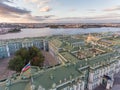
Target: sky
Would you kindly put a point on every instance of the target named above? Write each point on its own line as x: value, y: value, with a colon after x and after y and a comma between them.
x: 60, y: 11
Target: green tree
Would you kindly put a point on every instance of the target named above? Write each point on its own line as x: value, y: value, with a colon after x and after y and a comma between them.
x: 33, y: 52
x: 36, y: 56
x: 17, y: 63
x: 24, y: 55
x: 38, y: 60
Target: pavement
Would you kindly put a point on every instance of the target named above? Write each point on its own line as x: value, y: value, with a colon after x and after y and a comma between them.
x: 116, y: 87
x: 49, y: 59
x: 4, y: 71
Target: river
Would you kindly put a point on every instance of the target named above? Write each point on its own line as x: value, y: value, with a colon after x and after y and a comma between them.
x: 38, y: 32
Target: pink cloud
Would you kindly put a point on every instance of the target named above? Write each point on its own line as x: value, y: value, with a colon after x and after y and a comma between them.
x: 45, y: 9
x: 116, y: 8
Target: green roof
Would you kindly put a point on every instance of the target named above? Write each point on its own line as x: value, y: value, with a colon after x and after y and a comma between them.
x: 46, y: 78
x: 56, y: 42
x: 19, y: 85
x: 68, y: 56
x: 73, y: 40
x: 53, y: 76
x: 100, y: 59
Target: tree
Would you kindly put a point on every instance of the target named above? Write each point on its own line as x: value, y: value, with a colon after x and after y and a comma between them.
x: 33, y: 51
x: 36, y: 56
x: 38, y: 60
x: 17, y: 63
x: 24, y: 55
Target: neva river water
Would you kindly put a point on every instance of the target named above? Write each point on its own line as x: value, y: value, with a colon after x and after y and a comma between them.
x: 38, y: 32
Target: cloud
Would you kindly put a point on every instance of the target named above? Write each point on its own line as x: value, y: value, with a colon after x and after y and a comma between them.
x: 40, y: 2
x: 34, y: 0
x: 91, y: 10
x: 111, y: 17
x: 5, y: 0
x: 45, y: 9
x: 31, y: 1
x: 38, y: 18
x: 15, y: 14
x: 73, y: 10
x: 9, y: 10
x: 43, y: 3
x: 116, y: 8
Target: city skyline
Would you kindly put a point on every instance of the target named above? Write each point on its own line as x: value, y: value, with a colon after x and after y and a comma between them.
x: 59, y: 11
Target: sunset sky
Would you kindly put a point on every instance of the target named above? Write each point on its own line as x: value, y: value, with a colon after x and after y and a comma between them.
x: 60, y: 11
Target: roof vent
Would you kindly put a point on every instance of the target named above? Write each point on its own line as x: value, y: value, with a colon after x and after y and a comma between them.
x: 51, y: 76
x: 60, y: 81
x: 65, y: 79
x: 54, y: 85
x: 70, y: 77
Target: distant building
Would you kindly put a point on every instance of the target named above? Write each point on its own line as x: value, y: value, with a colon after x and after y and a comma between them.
x: 9, y: 47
